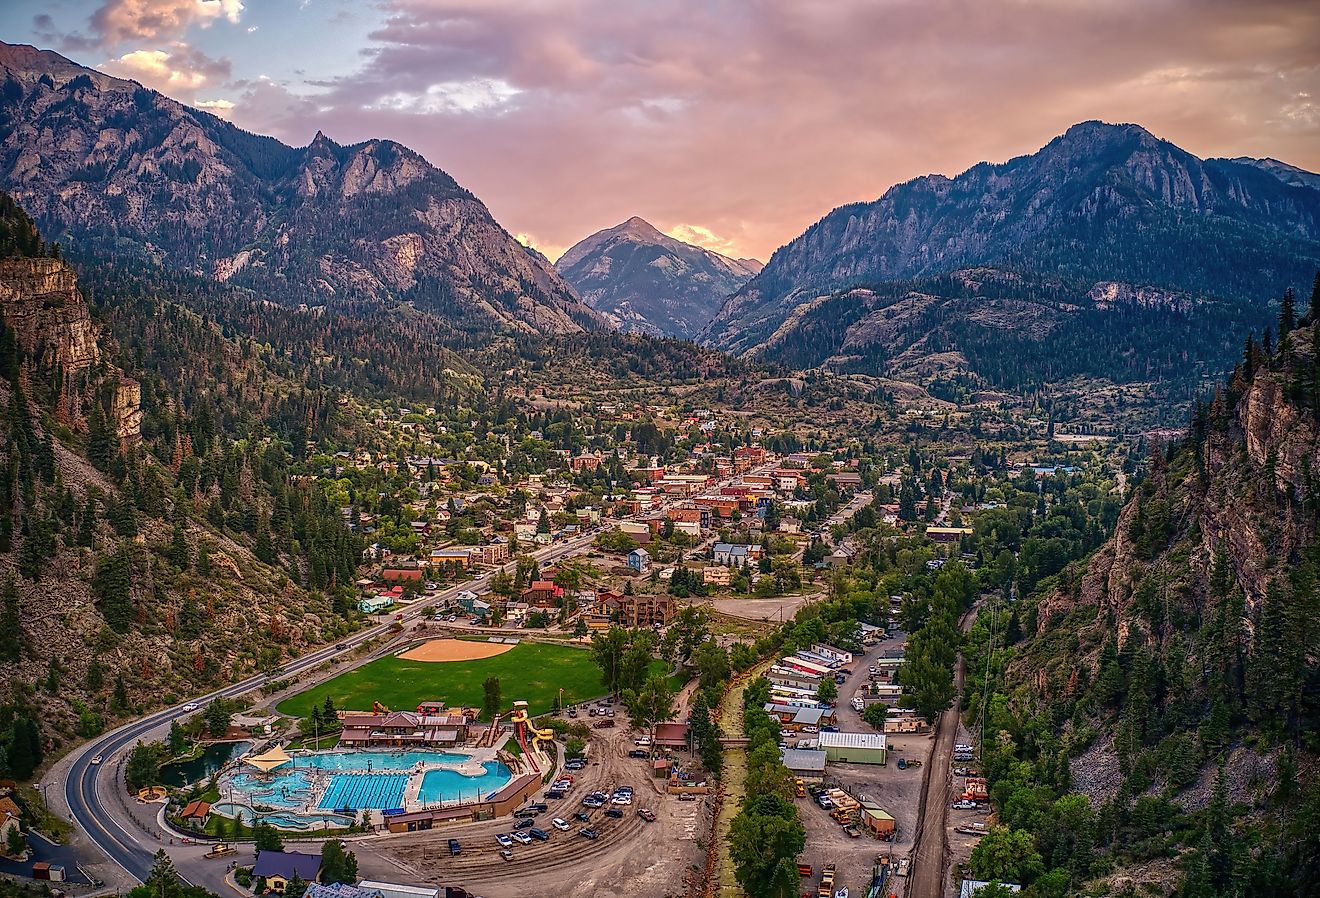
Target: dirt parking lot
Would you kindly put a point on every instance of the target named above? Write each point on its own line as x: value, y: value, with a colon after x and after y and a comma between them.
x: 896, y: 791
x: 631, y: 858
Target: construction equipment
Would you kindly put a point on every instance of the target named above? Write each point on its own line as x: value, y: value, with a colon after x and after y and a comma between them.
x: 826, y: 889
x: 378, y: 708
x: 801, y: 788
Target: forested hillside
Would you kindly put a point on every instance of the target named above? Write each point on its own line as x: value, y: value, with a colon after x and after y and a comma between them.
x: 989, y: 328
x: 1155, y: 727
x: 134, y: 534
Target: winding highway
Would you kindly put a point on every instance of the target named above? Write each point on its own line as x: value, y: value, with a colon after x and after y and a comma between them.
x: 91, y: 775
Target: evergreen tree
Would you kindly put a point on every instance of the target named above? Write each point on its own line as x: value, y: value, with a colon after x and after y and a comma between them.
x: 111, y: 589
x: 11, y: 633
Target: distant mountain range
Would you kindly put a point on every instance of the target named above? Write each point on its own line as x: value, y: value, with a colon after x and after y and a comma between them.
x: 645, y: 281
x: 136, y: 173
x: 1102, y: 209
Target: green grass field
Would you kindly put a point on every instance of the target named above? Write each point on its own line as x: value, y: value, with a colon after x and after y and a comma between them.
x: 530, y: 671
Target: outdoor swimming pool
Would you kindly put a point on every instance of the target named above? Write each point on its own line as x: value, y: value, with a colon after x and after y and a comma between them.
x: 299, y: 794
x: 440, y: 786
x: 375, y: 760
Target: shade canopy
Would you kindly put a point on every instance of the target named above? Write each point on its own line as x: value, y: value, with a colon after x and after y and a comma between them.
x: 268, y: 761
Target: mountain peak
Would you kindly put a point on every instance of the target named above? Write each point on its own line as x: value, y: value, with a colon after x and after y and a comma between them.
x: 646, y: 281
x: 1097, y: 184
x: 255, y: 212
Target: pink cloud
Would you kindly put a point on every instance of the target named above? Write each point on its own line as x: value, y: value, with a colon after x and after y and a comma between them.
x: 744, y: 122
x: 117, y: 21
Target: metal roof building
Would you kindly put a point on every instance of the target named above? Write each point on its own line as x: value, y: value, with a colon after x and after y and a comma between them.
x: 854, y: 748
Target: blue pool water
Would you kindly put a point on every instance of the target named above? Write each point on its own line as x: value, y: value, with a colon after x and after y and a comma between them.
x: 377, y: 791
x: 450, y: 785
x: 376, y: 760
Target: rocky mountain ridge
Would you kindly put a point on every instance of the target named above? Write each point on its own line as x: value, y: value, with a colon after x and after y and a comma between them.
x: 1101, y: 202
x: 648, y: 282
x: 104, y: 164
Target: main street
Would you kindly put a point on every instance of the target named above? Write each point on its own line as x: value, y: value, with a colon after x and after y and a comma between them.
x: 132, y: 844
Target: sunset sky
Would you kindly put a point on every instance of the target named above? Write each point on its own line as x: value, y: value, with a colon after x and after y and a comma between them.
x: 730, y: 123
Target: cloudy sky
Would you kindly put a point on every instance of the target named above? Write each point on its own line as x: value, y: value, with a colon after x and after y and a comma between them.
x: 731, y: 123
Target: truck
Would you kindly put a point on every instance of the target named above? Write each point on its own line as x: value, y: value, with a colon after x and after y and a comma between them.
x: 826, y: 889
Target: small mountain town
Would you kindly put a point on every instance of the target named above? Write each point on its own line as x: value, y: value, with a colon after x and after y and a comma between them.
x: 685, y: 492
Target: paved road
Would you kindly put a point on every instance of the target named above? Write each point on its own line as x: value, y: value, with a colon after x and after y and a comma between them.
x: 87, y: 793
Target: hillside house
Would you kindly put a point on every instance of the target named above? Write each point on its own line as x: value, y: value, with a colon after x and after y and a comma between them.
x: 639, y: 560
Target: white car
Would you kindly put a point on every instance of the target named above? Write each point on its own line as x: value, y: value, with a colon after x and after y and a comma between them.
x: 560, y: 824
x: 97, y: 759
x: 522, y: 838
x: 503, y: 840
x: 189, y: 708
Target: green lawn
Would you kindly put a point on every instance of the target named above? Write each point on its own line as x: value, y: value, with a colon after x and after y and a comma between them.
x: 530, y: 671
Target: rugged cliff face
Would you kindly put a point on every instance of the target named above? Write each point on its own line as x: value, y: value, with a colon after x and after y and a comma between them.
x: 40, y: 302
x: 108, y: 165
x: 1246, y: 494
x: 1099, y: 203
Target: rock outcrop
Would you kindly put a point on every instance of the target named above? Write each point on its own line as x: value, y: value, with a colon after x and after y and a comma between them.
x: 40, y: 302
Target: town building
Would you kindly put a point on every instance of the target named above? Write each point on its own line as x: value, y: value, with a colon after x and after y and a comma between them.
x: 278, y: 867
x: 639, y: 560
x: 853, y: 748
x: 402, y: 729
x: 807, y: 764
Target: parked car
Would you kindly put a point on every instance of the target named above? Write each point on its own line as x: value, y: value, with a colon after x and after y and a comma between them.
x: 964, y: 804
x: 686, y: 796
x: 555, y: 793
x: 560, y: 824
x: 646, y: 814
x: 575, y: 764
x: 591, y: 712
x: 522, y: 838
x: 638, y: 753
x: 455, y: 847
x: 581, y: 816
x: 604, y: 724
x: 572, y: 712
x: 589, y: 833
x: 539, y: 834
x: 503, y: 840
x: 615, y: 813
x: 526, y: 812
x: 506, y: 854
x: 524, y: 823
x: 825, y: 802
x: 643, y: 741
x: 540, y: 807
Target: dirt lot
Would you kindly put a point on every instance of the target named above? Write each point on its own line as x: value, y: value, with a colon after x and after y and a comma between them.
x: 897, y: 791
x: 631, y: 857
x: 961, y: 844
